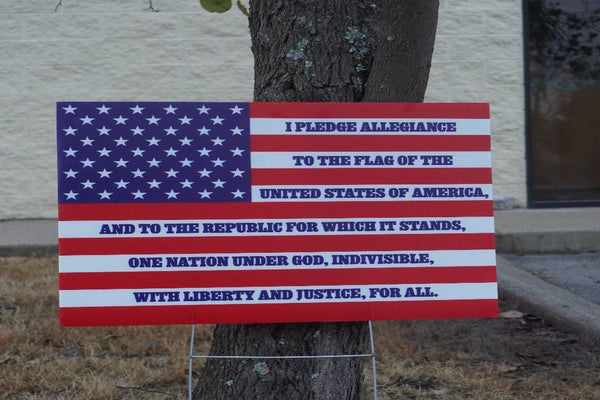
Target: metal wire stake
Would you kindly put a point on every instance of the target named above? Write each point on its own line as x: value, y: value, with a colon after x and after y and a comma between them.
x: 190, y: 365
x: 373, y: 361
x: 207, y: 356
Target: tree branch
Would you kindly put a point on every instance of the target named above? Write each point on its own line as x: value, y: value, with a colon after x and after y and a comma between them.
x: 150, y: 7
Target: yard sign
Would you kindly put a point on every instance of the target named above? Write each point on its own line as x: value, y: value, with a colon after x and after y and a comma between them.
x: 182, y: 213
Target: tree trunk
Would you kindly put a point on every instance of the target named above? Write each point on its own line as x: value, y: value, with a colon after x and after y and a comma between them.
x: 333, y: 51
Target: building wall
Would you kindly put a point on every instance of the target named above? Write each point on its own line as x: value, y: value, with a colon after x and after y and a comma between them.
x: 478, y: 57
x: 115, y: 50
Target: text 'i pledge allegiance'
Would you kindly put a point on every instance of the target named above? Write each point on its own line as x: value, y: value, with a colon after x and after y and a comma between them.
x: 370, y: 126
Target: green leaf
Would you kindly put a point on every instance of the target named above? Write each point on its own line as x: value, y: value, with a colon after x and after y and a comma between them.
x: 243, y: 8
x: 218, y: 6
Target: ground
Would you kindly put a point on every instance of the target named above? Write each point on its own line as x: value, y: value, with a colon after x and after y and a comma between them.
x: 517, y: 356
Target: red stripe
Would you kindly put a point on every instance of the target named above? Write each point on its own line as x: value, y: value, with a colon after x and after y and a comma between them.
x: 276, y: 244
x: 345, y: 209
x: 371, y: 176
x: 263, y: 313
x: 262, y: 278
x: 370, y: 110
x: 369, y: 143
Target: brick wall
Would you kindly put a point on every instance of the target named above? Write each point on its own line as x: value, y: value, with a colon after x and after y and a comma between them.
x: 102, y: 50
x: 115, y: 50
x: 478, y: 57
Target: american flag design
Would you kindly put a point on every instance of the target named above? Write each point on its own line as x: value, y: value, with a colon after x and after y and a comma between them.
x: 134, y: 153
x: 181, y: 212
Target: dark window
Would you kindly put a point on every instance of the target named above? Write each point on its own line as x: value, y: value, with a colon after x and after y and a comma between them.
x: 563, y: 86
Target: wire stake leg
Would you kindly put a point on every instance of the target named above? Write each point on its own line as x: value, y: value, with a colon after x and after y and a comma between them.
x: 191, y: 363
x: 207, y: 356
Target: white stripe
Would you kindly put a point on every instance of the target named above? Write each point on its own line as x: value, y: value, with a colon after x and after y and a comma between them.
x: 250, y: 295
x: 305, y: 193
x: 272, y: 261
x: 278, y: 126
x: 474, y: 159
x: 278, y: 227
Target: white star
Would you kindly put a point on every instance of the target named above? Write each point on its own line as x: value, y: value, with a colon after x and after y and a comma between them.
x: 121, y: 142
x: 218, y: 162
x: 170, y: 109
x: 185, y: 120
x: 70, y: 173
x: 105, y: 195
x: 217, y: 141
x: 203, y: 110
x: 121, y: 184
x: 185, y: 141
x: 87, y: 141
x: 217, y: 120
x: 104, y: 152
x: 153, y: 120
x: 205, y: 194
x: 237, y: 152
x: 186, y: 163
x: 88, y: 184
x: 121, y: 163
x: 153, y: 142
x: 236, y: 110
x: 104, y: 173
x: 186, y: 184
x: 203, y: 131
x: 154, y: 162
x: 171, y: 131
x: 238, y: 194
x: 86, y: 120
x: 137, y: 109
x: 103, y: 109
x: 137, y: 130
x: 236, y: 131
x: 120, y: 120
x: 71, y: 195
x: 171, y: 152
x: 70, y: 131
x: 103, y: 131
x: 238, y: 173
x: 172, y: 194
x: 154, y: 183
x: 70, y: 152
x: 138, y: 195
x: 138, y: 173
x: 218, y: 183
x: 69, y: 109
x: 171, y: 173
x: 204, y: 151
x: 205, y: 173
x: 138, y: 152
x: 87, y: 163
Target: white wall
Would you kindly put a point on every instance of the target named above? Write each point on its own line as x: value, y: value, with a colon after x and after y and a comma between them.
x: 102, y: 50
x: 478, y: 57
x: 114, y: 50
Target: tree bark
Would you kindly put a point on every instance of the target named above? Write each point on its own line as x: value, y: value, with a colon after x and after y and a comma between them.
x: 330, y: 51
x: 401, y: 65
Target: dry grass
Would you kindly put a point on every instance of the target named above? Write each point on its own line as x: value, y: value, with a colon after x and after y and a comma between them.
x: 39, y: 360
x: 520, y: 358
x: 517, y: 358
